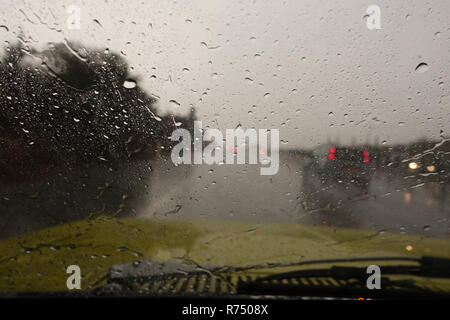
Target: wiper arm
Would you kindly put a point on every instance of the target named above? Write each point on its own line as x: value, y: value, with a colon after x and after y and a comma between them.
x: 428, y: 267
x: 269, y: 265
x: 352, y: 279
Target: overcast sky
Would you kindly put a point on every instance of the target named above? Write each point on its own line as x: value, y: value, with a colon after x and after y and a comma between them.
x: 309, y: 68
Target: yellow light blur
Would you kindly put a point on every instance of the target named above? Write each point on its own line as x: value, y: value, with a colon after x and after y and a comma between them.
x: 407, y: 197
x: 413, y: 165
x: 431, y: 168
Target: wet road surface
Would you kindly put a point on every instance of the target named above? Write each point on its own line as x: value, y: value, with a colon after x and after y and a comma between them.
x: 238, y: 192
x: 225, y: 192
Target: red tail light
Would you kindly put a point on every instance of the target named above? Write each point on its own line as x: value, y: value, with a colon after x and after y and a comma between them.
x: 366, y: 156
x: 332, y: 154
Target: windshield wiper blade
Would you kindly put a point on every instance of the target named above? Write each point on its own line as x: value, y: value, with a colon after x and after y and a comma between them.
x: 269, y: 265
x: 428, y: 267
x: 348, y: 279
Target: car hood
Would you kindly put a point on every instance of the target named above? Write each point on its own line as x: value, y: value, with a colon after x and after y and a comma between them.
x: 38, y: 261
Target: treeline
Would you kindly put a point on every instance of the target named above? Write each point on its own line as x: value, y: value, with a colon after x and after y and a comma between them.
x: 63, y: 107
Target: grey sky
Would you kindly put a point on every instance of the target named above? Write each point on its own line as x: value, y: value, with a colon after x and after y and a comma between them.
x: 310, y: 68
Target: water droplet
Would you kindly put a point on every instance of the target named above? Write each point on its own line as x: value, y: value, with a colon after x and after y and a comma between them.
x: 129, y: 84
x: 136, y: 263
x: 422, y: 67
x: 174, y: 103
x: 98, y: 22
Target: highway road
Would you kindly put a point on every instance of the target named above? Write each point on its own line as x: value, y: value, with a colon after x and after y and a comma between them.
x: 225, y: 192
x: 238, y: 192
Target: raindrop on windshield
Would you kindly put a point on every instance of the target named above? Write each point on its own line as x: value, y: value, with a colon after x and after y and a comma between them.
x: 174, y: 103
x: 422, y: 67
x: 129, y: 84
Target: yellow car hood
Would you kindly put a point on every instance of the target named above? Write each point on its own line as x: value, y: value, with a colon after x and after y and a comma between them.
x: 38, y: 261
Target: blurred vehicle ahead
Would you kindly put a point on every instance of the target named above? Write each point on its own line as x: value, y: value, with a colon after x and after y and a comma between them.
x: 336, y: 173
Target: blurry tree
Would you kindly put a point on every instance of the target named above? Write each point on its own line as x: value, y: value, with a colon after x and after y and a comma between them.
x: 65, y: 107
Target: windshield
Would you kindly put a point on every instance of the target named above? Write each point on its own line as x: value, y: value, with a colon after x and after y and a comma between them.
x: 216, y: 137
